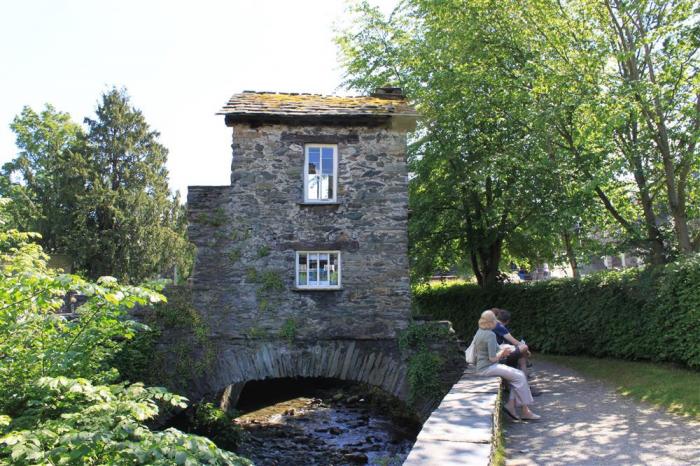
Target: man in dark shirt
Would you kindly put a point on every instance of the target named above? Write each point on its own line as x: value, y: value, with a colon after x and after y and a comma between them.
x: 517, y: 358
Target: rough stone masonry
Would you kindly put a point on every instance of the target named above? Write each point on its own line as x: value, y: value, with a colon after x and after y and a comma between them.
x: 247, y: 235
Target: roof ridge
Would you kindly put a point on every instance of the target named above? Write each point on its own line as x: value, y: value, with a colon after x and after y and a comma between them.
x: 301, y: 93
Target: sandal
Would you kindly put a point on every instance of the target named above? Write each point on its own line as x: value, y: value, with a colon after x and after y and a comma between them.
x: 531, y: 417
x: 513, y: 416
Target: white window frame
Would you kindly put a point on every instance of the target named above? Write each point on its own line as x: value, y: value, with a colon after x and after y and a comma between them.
x: 305, y: 173
x: 317, y: 287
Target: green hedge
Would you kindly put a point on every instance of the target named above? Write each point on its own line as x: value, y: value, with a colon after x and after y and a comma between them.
x: 652, y: 314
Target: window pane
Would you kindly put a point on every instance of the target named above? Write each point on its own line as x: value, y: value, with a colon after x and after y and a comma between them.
x: 313, y: 269
x: 326, y: 187
x: 314, y: 160
x: 323, y: 269
x: 333, y: 270
x: 312, y: 186
x: 302, y: 270
x: 327, y: 172
x: 327, y: 161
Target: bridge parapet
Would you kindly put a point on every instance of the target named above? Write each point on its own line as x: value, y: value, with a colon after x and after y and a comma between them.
x: 461, y: 430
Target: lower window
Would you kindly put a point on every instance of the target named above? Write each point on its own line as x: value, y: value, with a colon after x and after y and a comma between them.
x: 318, y: 269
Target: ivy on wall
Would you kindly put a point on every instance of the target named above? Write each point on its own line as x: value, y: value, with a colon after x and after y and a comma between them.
x: 176, y: 348
x: 424, y: 364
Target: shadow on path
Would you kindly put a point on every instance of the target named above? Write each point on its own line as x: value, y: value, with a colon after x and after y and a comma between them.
x: 585, y: 422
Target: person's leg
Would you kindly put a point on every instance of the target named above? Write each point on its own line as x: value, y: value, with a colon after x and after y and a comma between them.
x: 519, y: 388
x: 521, y: 364
x: 495, y: 370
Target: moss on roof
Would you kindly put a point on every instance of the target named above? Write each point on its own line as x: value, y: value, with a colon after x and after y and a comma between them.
x: 313, y: 104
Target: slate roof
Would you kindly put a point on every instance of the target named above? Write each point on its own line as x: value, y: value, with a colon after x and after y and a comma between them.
x: 300, y: 105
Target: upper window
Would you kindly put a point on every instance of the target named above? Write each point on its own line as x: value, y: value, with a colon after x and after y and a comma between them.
x: 318, y: 269
x: 320, y: 173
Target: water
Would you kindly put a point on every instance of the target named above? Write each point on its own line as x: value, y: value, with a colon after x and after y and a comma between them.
x: 326, y: 426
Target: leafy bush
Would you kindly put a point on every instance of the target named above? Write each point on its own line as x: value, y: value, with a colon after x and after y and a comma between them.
x: 59, y: 400
x: 216, y: 424
x: 72, y: 421
x: 424, y: 370
x: 424, y: 365
x: 188, y: 353
x: 651, y: 314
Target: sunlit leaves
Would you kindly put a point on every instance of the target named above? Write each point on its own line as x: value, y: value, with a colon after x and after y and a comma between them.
x: 59, y: 400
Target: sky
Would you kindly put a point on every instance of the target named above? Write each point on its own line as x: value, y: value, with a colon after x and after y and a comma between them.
x: 179, y: 61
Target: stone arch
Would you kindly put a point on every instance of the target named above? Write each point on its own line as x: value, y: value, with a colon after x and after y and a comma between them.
x: 372, y: 362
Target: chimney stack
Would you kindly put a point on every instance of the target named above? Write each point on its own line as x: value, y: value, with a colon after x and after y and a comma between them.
x: 388, y: 93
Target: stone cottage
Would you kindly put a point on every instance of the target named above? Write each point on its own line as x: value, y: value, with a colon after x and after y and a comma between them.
x: 310, y: 238
x: 308, y: 244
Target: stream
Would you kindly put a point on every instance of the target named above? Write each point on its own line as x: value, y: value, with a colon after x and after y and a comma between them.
x: 324, y: 425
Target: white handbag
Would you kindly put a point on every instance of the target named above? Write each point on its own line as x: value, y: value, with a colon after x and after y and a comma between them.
x: 470, y: 354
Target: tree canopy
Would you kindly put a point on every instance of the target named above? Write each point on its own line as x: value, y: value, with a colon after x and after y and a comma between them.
x: 100, y: 194
x: 536, y: 141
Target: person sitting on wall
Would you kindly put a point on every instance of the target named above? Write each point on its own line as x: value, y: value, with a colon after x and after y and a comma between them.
x: 488, y: 355
x: 518, y: 358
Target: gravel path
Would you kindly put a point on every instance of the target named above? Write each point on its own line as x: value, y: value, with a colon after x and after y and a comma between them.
x: 585, y: 422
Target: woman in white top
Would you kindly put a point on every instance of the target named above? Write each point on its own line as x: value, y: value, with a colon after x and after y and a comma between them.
x: 488, y: 353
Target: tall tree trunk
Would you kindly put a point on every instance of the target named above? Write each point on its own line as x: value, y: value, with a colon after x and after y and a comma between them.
x: 654, y: 237
x: 628, y: 143
x: 571, y: 255
x: 490, y: 258
x: 475, y: 269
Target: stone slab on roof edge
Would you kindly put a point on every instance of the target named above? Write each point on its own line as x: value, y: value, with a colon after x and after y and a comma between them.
x: 301, y: 104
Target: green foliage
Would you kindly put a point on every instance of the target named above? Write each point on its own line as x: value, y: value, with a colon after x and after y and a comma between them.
x: 419, y: 336
x: 239, y: 234
x: 99, y: 196
x: 216, y: 424
x: 269, y: 280
x: 395, y: 460
x: 37, y: 341
x: 59, y: 403
x: 546, y: 126
x: 483, y: 180
x: 188, y: 354
x: 251, y: 274
x: 289, y: 330
x: 263, y: 304
x: 216, y: 219
x: 263, y: 251
x: 234, y: 255
x: 75, y: 422
x: 424, y: 365
x: 650, y: 314
x: 424, y: 370
x: 51, y: 166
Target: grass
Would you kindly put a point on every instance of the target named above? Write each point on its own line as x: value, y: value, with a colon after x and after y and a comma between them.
x: 498, y: 453
x: 666, y: 385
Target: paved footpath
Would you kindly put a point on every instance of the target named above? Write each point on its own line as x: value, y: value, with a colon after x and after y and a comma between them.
x: 585, y: 422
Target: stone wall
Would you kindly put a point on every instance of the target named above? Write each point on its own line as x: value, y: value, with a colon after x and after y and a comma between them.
x: 247, y: 234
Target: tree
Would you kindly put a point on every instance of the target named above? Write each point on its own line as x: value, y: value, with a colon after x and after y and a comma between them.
x: 483, y: 180
x: 60, y: 398
x: 101, y: 196
x: 535, y: 78
x: 47, y: 177
x: 133, y: 227
x: 656, y: 45
x: 597, y: 111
